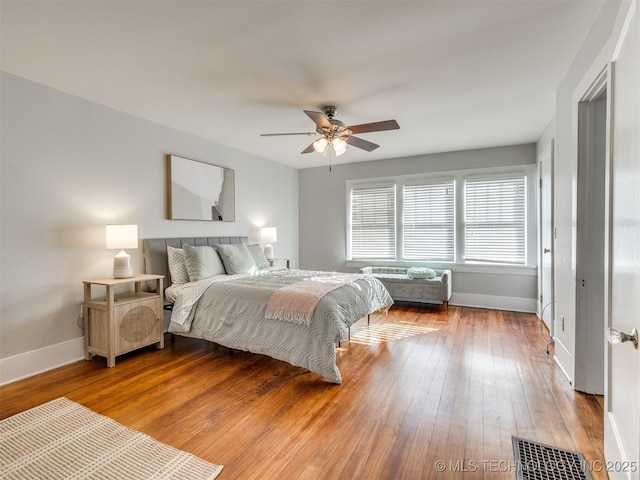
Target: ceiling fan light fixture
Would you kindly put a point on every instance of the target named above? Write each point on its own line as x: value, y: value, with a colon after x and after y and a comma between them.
x: 321, y: 145
x: 339, y: 146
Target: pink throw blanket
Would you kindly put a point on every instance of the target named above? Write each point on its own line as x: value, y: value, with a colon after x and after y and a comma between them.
x: 297, y: 302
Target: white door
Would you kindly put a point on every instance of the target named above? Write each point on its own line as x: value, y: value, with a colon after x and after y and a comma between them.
x: 546, y: 237
x: 622, y: 396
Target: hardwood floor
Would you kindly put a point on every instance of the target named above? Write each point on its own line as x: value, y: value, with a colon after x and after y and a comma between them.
x: 420, y: 386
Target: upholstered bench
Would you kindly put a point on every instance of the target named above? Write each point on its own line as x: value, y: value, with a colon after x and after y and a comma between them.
x: 403, y: 287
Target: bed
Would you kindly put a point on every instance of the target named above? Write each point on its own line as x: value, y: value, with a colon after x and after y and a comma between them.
x: 256, y: 308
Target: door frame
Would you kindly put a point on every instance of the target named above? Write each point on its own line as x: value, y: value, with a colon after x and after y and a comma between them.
x: 546, y: 306
x: 606, y: 79
x: 589, y: 377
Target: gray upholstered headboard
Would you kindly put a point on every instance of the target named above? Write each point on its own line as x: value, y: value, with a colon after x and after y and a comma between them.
x: 154, y: 251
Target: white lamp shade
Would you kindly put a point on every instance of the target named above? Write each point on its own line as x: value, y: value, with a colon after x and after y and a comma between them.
x: 320, y: 145
x: 268, y: 234
x: 122, y: 236
x: 339, y: 146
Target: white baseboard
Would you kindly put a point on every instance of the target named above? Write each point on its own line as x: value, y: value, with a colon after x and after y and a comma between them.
x: 34, y: 362
x: 494, y: 302
x: 563, y: 359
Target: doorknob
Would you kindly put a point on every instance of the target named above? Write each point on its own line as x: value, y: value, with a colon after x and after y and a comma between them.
x: 616, y: 336
x: 547, y: 250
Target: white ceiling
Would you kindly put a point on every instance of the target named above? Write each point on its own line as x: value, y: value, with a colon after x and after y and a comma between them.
x: 454, y: 74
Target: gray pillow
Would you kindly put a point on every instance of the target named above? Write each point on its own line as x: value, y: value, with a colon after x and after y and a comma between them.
x: 236, y: 258
x: 202, y: 262
x: 177, y: 268
x: 257, y: 253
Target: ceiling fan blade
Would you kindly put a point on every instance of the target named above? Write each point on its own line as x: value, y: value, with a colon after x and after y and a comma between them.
x: 309, y: 149
x: 319, y: 119
x: 295, y: 133
x: 360, y: 143
x: 375, y: 126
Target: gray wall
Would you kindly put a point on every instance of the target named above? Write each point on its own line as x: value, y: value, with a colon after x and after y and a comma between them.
x: 322, y: 209
x: 70, y: 166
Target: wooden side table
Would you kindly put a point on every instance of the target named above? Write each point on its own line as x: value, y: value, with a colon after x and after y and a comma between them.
x: 120, y: 323
x: 273, y: 261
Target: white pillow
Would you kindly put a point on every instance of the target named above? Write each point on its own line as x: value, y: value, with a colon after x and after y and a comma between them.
x: 202, y: 262
x: 257, y: 252
x: 177, y: 268
x: 236, y: 258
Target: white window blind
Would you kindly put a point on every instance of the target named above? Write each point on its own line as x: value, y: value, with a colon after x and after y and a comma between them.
x: 495, y: 220
x: 373, y: 222
x: 429, y: 222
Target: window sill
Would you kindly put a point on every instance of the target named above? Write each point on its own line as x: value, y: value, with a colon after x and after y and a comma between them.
x: 484, y: 269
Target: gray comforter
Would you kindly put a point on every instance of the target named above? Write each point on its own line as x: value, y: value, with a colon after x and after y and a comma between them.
x: 232, y: 313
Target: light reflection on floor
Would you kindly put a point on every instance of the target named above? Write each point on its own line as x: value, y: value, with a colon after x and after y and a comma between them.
x: 381, y: 333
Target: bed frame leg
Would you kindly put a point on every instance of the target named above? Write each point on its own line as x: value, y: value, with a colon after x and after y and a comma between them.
x: 446, y: 305
x: 368, y: 319
x: 173, y: 338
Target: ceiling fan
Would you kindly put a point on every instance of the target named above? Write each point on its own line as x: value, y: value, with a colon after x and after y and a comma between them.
x: 336, y: 134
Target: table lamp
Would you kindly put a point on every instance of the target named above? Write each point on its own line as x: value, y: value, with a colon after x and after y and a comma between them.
x: 120, y: 237
x: 268, y: 235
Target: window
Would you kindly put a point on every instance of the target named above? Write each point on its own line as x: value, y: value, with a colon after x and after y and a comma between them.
x: 495, y: 220
x: 373, y: 222
x: 475, y: 217
x: 429, y: 221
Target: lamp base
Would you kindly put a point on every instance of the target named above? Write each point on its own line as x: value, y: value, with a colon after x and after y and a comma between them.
x: 122, y: 265
x: 268, y: 251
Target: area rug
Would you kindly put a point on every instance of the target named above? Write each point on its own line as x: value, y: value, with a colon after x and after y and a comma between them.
x: 62, y: 439
x: 537, y: 461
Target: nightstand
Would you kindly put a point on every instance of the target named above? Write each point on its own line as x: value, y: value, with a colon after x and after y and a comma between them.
x: 273, y: 261
x: 120, y: 323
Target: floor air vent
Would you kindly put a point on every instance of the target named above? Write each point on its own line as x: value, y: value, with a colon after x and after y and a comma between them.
x: 537, y: 461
